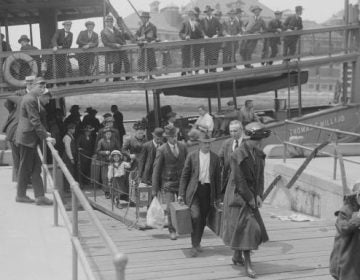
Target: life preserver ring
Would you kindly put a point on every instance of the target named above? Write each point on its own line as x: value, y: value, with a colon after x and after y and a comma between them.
x: 13, y: 58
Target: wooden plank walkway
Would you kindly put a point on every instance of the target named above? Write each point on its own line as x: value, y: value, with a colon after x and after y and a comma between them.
x: 297, y: 250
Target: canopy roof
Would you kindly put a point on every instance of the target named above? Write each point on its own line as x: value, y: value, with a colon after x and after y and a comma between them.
x: 16, y: 12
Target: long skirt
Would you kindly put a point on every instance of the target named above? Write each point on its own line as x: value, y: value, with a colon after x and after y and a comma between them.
x: 243, y: 227
x: 119, y: 187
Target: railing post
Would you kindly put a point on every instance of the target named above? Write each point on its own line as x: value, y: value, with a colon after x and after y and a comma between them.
x: 336, y: 155
x: 44, y: 148
x: 284, y: 152
x: 75, y: 233
x: 120, y: 261
x: 56, y: 209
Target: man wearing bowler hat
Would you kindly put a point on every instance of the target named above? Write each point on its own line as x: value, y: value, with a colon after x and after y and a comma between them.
x: 191, y: 30
x: 148, y: 154
x: 212, y: 29
x: 147, y: 33
x: 168, y: 165
x: 292, y: 23
x: 30, y: 131
x: 256, y: 24
x: 25, y: 69
x: 200, y: 188
x: 86, y: 40
x: 62, y: 39
x: 114, y: 38
x: 274, y: 26
x: 232, y: 27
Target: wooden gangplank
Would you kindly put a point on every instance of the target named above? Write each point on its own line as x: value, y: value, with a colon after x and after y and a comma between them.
x: 297, y: 250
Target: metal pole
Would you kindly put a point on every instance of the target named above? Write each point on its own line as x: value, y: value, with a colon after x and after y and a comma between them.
x: 147, y: 102
x: 234, y: 93
x: 75, y: 233
x: 299, y: 92
x: 56, y: 210
x: 31, y: 34
x: 44, y: 148
x: 346, y: 46
x: 120, y: 261
x: 219, y: 96
x: 209, y: 105
x: 335, y: 157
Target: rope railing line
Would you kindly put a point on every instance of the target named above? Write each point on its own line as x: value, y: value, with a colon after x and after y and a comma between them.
x: 120, y: 259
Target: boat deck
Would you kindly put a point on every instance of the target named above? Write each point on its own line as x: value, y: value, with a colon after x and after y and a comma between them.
x: 297, y: 250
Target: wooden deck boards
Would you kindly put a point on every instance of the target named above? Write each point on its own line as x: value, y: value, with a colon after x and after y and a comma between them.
x: 296, y: 251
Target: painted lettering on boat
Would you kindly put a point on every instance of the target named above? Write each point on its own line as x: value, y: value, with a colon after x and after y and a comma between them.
x: 328, y: 122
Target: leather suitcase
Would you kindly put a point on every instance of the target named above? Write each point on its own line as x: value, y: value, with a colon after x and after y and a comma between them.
x: 181, y: 218
x: 214, y: 220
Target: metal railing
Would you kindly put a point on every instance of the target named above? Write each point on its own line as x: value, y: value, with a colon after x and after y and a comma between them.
x: 69, y: 66
x: 77, y: 198
x: 337, y: 155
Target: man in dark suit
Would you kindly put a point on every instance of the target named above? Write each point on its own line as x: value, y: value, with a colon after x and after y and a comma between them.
x: 168, y: 165
x: 115, y: 38
x: 86, y: 40
x: 256, y: 24
x: 25, y: 68
x: 147, y: 33
x: 13, y: 103
x: 232, y: 27
x: 29, y: 133
x: 226, y: 150
x: 118, y: 122
x: 292, y: 23
x: 191, y: 30
x: 200, y: 188
x: 148, y: 154
x: 274, y: 26
x: 62, y: 39
x: 212, y: 29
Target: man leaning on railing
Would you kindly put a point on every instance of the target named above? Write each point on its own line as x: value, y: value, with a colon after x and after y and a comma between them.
x: 29, y: 133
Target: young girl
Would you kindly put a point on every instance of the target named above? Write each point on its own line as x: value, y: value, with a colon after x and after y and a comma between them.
x: 344, y: 259
x: 116, y: 175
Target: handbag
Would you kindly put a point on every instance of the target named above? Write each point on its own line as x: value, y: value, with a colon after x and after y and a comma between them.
x: 236, y: 200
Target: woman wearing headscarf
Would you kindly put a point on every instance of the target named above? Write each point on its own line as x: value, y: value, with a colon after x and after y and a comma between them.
x: 243, y: 227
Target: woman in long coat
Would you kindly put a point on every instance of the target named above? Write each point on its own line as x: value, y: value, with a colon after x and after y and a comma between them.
x: 243, y: 227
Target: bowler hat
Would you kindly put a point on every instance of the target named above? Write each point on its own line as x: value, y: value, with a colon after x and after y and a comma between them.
x: 230, y: 103
x: 39, y: 80
x: 278, y: 12
x: 238, y: 10
x: 89, y: 22
x: 74, y: 108
x: 108, y: 119
x: 23, y: 38
x: 67, y: 22
x: 145, y: 15
x: 232, y: 12
x: 197, y: 10
x: 257, y: 131
x: 158, y: 132
x: 255, y: 7
x: 170, y: 131
x: 208, y: 9
x: 106, y: 115
x: 109, y: 18
x: 89, y: 110
x: 205, y: 138
x: 299, y: 8
x: 139, y: 125
x: 30, y: 79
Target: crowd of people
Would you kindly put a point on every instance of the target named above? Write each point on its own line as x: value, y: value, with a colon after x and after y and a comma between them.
x: 197, y: 25
x: 233, y: 178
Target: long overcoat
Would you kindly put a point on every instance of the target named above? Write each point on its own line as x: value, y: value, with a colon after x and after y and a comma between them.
x: 243, y: 227
x: 344, y: 259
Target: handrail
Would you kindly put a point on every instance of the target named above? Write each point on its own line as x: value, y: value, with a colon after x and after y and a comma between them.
x: 119, y: 259
x: 337, y: 155
x: 180, y: 43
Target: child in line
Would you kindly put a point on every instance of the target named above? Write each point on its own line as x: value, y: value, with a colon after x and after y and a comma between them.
x: 116, y: 175
x: 344, y: 259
